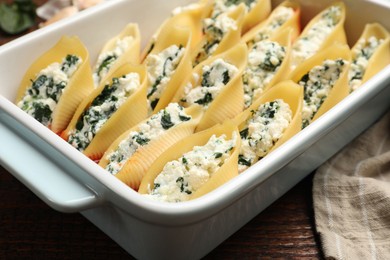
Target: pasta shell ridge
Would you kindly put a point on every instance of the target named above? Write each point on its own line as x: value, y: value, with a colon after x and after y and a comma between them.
x: 135, y: 168
x: 230, y: 101
x: 180, y: 36
x: 132, y: 52
x: 289, y: 92
x: 293, y: 22
x: 340, y: 89
x: 381, y: 57
x: 131, y: 112
x: 185, y: 145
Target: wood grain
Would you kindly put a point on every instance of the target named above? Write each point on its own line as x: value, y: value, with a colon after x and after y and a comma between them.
x: 30, y: 229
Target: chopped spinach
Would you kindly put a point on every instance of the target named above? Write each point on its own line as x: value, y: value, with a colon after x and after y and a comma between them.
x: 106, y: 93
x: 244, y: 133
x: 226, y: 77
x: 17, y: 16
x: 106, y: 63
x: 166, y: 121
x: 205, y: 100
x: 141, y: 140
x: 243, y: 161
x: 153, y: 104
x: 184, y: 118
x: 217, y: 155
x: 184, y: 160
x: 183, y: 186
x: 42, y: 112
x: 70, y: 60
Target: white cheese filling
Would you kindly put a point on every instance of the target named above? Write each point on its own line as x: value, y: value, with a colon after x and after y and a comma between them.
x: 278, y: 17
x: 181, y: 178
x: 102, y: 108
x: 161, y: 67
x: 308, y: 45
x: 214, y: 77
x: 108, y: 58
x: 42, y: 96
x: 150, y: 130
x: 223, y: 6
x: 264, y: 60
x: 262, y: 130
x: 317, y: 83
x: 214, y: 29
x: 362, y: 53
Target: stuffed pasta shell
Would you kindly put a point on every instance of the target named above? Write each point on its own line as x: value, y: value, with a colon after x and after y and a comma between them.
x: 190, y: 17
x: 268, y: 64
x: 324, y: 78
x: 56, y: 83
x: 370, y: 54
x: 216, y: 86
x: 284, y: 17
x: 269, y: 122
x: 116, y: 105
x: 220, y: 33
x: 167, y: 66
x: 197, y: 165
x: 256, y: 10
x: 325, y: 29
x: 122, y: 49
x: 132, y: 153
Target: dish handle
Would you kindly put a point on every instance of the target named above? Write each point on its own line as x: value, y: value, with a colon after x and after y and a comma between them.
x: 44, y: 177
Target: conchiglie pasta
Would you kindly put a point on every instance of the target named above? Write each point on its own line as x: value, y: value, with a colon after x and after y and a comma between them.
x: 219, y: 148
x: 269, y: 122
x: 132, y: 153
x: 122, y: 49
x: 116, y: 105
x: 370, y: 54
x: 167, y: 65
x: 189, y: 17
x: 268, y: 64
x: 216, y: 85
x: 284, y: 17
x: 256, y: 11
x: 325, y: 80
x: 324, y: 30
x: 220, y: 34
x: 56, y: 83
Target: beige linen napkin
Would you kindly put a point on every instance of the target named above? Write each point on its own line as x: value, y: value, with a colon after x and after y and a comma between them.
x: 351, y: 195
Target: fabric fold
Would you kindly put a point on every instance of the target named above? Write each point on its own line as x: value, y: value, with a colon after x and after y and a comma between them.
x: 351, y: 196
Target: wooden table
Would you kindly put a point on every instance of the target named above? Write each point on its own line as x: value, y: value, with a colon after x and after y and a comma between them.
x: 31, y: 229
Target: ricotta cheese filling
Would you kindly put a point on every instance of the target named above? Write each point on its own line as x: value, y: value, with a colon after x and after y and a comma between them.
x: 102, y: 108
x: 41, y: 98
x: 214, y: 30
x: 365, y: 48
x: 161, y: 67
x: 308, y: 45
x: 223, y: 6
x: 264, y: 60
x: 149, y: 130
x: 108, y: 58
x: 182, y: 177
x: 214, y: 77
x: 317, y: 83
x: 278, y: 17
x: 262, y: 130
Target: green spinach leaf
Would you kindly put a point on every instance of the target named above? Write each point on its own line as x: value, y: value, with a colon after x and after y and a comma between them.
x: 17, y: 17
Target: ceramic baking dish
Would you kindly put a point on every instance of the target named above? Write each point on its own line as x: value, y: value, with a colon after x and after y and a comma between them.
x: 70, y: 182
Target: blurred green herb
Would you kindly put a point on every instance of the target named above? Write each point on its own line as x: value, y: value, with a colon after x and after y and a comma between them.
x: 17, y: 17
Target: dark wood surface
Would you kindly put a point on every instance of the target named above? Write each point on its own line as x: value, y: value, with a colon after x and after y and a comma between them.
x: 30, y: 229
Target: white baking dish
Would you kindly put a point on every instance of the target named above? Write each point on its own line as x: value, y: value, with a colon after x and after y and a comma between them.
x: 69, y: 182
